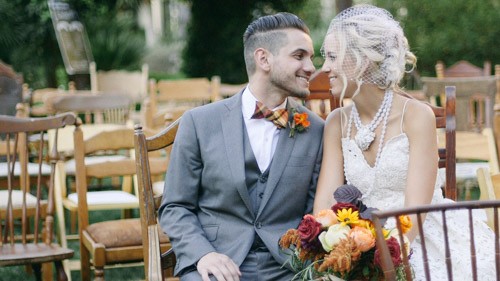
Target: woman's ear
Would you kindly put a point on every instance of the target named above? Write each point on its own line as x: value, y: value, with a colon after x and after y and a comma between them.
x: 262, y: 59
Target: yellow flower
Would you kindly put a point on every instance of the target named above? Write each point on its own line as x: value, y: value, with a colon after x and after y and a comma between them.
x: 347, y: 216
x: 366, y: 224
x: 406, y: 223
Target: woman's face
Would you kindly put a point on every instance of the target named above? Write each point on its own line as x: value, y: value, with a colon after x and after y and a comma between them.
x: 339, y: 66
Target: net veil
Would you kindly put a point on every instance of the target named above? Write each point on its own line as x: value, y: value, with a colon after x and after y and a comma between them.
x: 368, y: 46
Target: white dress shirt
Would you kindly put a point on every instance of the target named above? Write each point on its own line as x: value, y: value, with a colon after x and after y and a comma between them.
x: 263, y: 134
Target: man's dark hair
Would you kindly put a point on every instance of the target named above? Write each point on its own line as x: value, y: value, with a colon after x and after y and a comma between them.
x: 266, y: 32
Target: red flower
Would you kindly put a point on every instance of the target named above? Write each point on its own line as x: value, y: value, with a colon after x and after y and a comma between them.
x: 309, y: 228
x: 394, y: 249
x: 341, y: 205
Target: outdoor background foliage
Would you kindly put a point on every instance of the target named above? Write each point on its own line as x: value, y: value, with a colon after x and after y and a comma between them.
x: 448, y: 30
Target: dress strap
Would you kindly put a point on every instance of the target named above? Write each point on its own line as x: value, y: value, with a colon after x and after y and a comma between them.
x: 349, y: 124
x: 403, y: 114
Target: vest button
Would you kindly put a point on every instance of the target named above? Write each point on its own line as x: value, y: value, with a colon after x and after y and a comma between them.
x: 258, y: 225
x: 262, y: 179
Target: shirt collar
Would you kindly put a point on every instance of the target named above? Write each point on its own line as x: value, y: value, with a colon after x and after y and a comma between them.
x: 248, y: 101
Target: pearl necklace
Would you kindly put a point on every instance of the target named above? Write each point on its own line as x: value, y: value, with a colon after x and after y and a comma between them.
x: 366, y: 133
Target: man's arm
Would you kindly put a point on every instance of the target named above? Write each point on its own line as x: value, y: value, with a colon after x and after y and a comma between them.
x: 314, y: 180
x: 177, y: 213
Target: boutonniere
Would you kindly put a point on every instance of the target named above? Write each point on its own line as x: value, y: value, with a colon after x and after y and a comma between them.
x: 298, y: 123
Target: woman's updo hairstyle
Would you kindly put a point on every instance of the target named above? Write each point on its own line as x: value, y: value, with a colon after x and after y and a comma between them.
x: 371, y: 46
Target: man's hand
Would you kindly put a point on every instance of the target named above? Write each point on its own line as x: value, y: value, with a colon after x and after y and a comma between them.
x: 220, y: 266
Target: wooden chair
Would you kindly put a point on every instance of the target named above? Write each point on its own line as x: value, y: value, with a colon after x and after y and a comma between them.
x: 107, y: 242
x: 169, y: 99
x: 321, y: 101
x: 132, y: 84
x: 154, y: 261
x: 32, y: 244
x: 32, y: 168
x: 496, y: 107
x: 445, y: 119
x: 489, y: 186
x: 462, y: 69
x: 65, y: 186
x: 112, y: 110
x: 227, y: 90
x: 478, y: 105
x: 443, y: 209
x: 95, y: 108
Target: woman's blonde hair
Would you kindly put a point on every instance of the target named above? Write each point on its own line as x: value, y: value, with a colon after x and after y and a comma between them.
x: 371, y: 47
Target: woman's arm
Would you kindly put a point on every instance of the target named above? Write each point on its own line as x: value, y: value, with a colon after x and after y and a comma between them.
x: 420, y: 127
x: 331, y: 175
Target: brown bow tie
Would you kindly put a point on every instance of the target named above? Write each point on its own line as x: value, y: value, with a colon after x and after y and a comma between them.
x: 279, y: 117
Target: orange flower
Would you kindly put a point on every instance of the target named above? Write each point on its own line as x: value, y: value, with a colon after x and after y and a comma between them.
x: 406, y: 223
x: 363, y: 238
x: 298, y: 123
x: 301, y: 119
x: 326, y: 217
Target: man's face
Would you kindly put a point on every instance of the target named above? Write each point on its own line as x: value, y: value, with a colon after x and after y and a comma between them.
x: 292, y: 66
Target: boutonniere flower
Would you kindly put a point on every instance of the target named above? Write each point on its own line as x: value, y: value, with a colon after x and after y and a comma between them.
x: 298, y: 123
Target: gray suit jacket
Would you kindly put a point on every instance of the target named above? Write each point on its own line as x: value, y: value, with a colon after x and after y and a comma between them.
x: 206, y: 205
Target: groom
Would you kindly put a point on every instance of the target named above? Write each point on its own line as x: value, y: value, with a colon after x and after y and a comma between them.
x: 239, y: 175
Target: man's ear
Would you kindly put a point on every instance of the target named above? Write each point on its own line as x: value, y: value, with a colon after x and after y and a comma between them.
x: 262, y: 59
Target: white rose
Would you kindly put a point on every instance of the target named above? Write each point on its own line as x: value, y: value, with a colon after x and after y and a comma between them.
x: 333, y: 235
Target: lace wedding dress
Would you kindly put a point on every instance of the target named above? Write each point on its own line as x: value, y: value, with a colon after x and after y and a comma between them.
x: 383, y: 187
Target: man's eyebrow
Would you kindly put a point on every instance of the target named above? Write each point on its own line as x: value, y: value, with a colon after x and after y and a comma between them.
x: 301, y: 50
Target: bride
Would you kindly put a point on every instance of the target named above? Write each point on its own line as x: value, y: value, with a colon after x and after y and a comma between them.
x: 384, y: 143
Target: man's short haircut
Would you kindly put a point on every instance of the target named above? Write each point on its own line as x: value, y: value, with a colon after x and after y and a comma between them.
x: 265, y: 32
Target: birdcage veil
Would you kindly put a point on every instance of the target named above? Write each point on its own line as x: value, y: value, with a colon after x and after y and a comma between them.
x: 370, y: 47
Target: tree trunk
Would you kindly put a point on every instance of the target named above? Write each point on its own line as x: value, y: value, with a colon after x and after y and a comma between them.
x: 342, y: 5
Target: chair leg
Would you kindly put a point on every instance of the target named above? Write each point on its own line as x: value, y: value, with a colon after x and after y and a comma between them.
x: 37, y: 270
x: 61, y: 274
x: 72, y: 221
x: 84, y: 262
x: 98, y: 273
x: 47, y: 271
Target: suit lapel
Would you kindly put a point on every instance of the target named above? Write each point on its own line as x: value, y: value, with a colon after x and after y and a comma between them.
x: 280, y: 159
x: 232, y: 129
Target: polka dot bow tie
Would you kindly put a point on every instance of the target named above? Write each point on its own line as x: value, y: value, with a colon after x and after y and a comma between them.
x: 279, y: 117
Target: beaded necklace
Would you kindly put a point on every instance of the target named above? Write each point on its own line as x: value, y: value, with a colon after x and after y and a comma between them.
x: 366, y: 133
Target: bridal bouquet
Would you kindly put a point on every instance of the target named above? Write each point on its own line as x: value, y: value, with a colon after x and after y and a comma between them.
x: 339, y: 243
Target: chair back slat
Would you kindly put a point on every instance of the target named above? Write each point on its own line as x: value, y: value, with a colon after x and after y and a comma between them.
x: 445, y: 212
x: 445, y: 119
x: 95, y: 108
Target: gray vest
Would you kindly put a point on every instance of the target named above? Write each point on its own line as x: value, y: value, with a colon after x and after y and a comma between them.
x: 255, y: 180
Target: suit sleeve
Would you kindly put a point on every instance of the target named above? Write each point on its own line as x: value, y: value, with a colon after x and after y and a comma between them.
x: 177, y: 213
x: 314, y: 180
